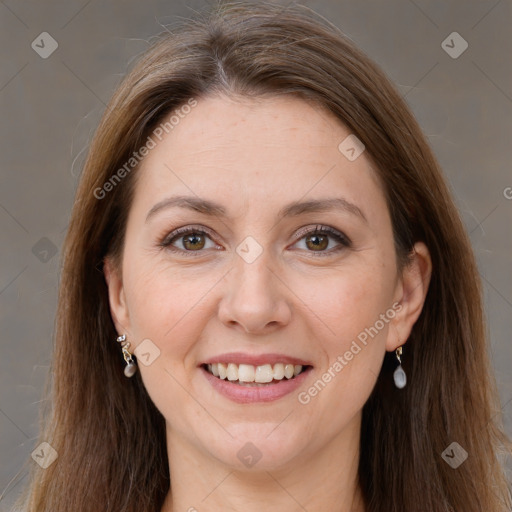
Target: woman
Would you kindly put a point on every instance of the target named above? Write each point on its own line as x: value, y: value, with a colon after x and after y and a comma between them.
x: 268, y: 300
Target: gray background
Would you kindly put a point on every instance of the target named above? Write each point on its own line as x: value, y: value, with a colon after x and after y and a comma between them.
x: 50, y: 108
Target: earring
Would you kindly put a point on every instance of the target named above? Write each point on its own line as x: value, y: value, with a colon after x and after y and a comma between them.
x: 131, y: 368
x: 399, y: 374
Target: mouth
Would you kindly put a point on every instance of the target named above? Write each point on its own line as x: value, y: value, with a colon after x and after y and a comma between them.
x: 249, y: 379
x: 249, y: 375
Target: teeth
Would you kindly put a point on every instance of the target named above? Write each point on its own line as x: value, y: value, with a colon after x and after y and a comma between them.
x: 246, y: 373
x: 279, y: 371
x: 232, y: 372
x: 289, y: 370
x: 260, y: 374
x: 222, y: 370
x: 264, y: 373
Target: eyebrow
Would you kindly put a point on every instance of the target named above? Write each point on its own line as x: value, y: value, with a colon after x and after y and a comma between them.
x: 294, y: 209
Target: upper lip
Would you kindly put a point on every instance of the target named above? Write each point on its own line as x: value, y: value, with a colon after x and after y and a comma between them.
x: 255, y: 359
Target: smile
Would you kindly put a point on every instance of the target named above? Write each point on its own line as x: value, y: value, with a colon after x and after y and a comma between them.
x: 250, y: 375
x: 244, y: 378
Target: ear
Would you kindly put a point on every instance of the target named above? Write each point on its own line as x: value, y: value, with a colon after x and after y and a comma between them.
x: 410, y: 294
x: 116, y: 296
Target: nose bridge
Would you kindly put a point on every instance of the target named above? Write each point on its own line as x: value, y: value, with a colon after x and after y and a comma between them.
x: 252, y: 279
x: 254, y: 273
x: 255, y: 297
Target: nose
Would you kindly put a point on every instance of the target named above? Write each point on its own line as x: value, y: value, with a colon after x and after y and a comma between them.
x: 256, y: 300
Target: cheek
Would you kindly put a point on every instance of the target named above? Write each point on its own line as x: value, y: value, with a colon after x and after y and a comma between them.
x: 350, y: 301
x: 158, y: 296
x: 165, y: 308
x: 171, y: 308
x: 352, y: 306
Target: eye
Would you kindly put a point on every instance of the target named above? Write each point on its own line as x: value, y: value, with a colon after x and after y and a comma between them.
x: 319, y: 238
x: 188, y: 240
x: 193, y: 239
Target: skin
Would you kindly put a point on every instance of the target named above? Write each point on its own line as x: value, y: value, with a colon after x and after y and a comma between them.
x: 254, y: 156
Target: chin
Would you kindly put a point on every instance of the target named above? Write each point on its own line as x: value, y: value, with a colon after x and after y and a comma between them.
x: 258, y: 447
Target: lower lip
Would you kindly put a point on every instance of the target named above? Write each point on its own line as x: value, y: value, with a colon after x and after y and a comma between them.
x: 247, y: 395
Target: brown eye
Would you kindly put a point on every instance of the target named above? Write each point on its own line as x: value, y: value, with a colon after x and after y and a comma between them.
x: 193, y: 242
x: 189, y: 240
x: 323, y: 240
x: 317, y: 242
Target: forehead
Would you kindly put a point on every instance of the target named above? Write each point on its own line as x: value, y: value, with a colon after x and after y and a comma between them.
x: 237, y: 124
x: 256, y: 151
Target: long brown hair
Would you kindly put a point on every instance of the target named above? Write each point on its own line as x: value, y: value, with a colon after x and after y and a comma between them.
x: 109, y: 436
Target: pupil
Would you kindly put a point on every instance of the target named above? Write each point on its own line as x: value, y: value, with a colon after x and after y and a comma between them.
x: 193, y: 241
x: 318, y: 241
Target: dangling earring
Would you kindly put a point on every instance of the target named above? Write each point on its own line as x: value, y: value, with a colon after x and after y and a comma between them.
x: 131, y: 368
x: 399, y: 374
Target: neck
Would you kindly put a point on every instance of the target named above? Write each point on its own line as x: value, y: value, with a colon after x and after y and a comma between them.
x: 200, y: 483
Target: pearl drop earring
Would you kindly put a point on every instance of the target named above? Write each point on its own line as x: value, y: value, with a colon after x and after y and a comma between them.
x: 131, y: 368
x: 399, y: 375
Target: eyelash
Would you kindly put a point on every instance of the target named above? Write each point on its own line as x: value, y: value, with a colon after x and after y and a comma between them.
x: 302, y: 233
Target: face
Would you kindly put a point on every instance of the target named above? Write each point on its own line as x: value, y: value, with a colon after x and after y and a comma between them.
x: 279, y: 251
